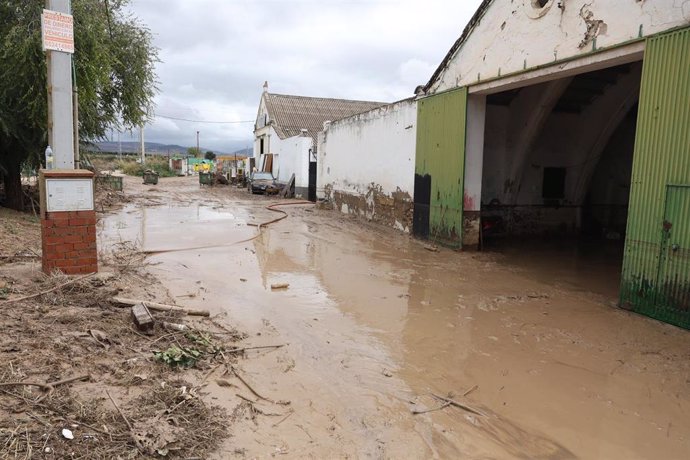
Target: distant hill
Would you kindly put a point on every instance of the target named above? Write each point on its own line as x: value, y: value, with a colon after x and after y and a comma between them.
x: 155, y: 148
x: 246, y: 152
x: 152, y: 148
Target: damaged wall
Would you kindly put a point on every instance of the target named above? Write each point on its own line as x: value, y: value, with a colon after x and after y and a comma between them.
x: 366, y: 164
x: 516, y: 35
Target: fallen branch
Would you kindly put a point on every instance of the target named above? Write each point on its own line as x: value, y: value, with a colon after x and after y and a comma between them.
x: 120, y: 301
x: 419, y: 412
x: 122, y: 414
x: 284, y: 418
x: 48, y: 291
x: 283, y: 403
x: 240, y: 350
x: 49, y: 388
x: 459, y: 405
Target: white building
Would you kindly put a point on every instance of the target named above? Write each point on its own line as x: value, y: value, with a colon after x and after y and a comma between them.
x: 568, y: 120
x: 286, y: 131
x: 366, y: 164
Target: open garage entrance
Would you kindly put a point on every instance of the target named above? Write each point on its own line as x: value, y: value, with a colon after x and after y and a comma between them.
x: 556, y: 176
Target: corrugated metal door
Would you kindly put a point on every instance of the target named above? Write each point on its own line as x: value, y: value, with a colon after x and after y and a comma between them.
x: 662, y: 158
x: 440, y: 167
x: 673, y: 302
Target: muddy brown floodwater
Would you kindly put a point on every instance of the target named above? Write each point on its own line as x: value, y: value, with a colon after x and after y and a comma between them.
x: 375, y: 324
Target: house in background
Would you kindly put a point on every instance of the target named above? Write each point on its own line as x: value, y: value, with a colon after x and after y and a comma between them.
x: 286, y: 130
x: 366, y: 164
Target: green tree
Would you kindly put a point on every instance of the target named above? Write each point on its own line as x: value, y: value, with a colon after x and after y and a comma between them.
x: 115, y: 74
x: 210, y: 155
x: 194, y: 152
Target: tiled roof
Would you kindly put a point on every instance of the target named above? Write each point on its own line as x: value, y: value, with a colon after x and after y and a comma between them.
x: 292, y: 114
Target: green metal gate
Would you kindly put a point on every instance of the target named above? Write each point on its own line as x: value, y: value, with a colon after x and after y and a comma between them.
x: 656, y: 271
x: 440, y: 167
x: 673, y: 302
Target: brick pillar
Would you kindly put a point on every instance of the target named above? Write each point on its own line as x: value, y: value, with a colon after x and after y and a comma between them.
x: 68, y: 222
x: 69, y: 242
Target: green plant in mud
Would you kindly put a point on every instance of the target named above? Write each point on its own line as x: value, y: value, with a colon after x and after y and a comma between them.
x: 205, y: 341
x: 178, y: 356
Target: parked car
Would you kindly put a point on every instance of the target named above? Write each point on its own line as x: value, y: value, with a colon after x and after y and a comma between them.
x: 262, y: 182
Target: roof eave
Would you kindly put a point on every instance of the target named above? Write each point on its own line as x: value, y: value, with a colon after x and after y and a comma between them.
x: 476, y: 18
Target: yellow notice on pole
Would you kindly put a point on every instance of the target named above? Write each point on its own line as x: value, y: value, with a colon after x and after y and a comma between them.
x: 58, y: 31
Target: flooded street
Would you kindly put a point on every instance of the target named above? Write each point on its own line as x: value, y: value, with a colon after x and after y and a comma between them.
x: 375, y: 324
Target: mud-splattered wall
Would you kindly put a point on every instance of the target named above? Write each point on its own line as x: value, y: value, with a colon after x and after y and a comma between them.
x: 512, y: 36
x: 366, y: 164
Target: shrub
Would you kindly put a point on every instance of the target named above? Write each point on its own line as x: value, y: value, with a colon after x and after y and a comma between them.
x: 160, y: 165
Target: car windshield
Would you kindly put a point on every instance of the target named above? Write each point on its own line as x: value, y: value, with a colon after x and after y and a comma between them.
x: 263, y: 176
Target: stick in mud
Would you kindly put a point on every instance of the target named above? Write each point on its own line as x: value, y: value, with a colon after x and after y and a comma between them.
x: 459, y: 405
x: 234, y: 371
x: 48, y: 387
x: 122, y: 414
x: 121, y: 301
x: 47, y: 291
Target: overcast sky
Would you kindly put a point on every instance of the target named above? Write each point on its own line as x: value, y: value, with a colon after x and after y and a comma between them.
x: 216, y: 55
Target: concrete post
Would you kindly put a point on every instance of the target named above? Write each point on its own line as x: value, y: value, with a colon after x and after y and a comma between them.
x: 60, y: 115
x: 474, y: 166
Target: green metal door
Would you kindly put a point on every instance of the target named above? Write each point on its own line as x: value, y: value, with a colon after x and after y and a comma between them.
x: 673, y: 300
x: 653, y: 273
x: 440, y: 162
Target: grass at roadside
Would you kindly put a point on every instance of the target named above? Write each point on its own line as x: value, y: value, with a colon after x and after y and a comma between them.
x: 130, y: 166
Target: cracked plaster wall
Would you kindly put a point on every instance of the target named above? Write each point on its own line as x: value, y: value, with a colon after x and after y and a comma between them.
x: 366, y: 164
x: 511, y: 38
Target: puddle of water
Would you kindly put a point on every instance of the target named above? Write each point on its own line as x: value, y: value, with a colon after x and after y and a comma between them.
x: 374, y: 322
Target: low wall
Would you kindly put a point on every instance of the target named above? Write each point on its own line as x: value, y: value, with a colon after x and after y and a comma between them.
x: 366, y: 164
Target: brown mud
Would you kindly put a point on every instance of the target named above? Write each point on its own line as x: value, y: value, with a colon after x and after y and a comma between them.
x: 375, y: 324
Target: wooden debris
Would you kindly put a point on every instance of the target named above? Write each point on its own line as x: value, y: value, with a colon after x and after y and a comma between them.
x: 121, y: 301
x: 431, y: 248
x: 48, y: 291
x: 142, y: 317
x: 254, y: 392
x: 48, y: 387
x: 280, y: 286
x: 287, y: 189
x: 459, y: 405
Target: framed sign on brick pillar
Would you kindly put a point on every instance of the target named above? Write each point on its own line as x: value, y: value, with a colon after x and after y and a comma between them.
x: 68, y: 221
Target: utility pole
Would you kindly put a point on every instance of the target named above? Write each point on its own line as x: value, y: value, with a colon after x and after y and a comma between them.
x: 143, y: 145
x: 198, y: 150
x: 61, y: 120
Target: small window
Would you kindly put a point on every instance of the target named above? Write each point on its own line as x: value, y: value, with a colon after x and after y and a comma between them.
x: 553, y: 187
x: 539, y: 4
x: 261, y: 146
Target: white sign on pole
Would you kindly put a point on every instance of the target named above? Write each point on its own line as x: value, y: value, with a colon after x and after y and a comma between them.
x: 58, y: 31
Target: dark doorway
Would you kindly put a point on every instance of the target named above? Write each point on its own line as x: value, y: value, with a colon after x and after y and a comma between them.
x: 312, y: 182
x: 422, y: 206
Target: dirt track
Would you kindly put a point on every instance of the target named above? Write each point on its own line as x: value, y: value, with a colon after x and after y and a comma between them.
x: 375, y: 323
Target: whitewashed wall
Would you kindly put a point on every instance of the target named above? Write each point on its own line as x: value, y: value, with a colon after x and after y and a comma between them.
x: 370, y: 157
x: 514, y: 36
x: 293, y: 158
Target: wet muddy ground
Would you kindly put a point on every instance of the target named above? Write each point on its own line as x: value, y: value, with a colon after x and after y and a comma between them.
x: 374, y: 324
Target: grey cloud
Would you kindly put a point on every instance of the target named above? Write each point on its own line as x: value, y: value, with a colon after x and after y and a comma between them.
x: 217, y: 53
